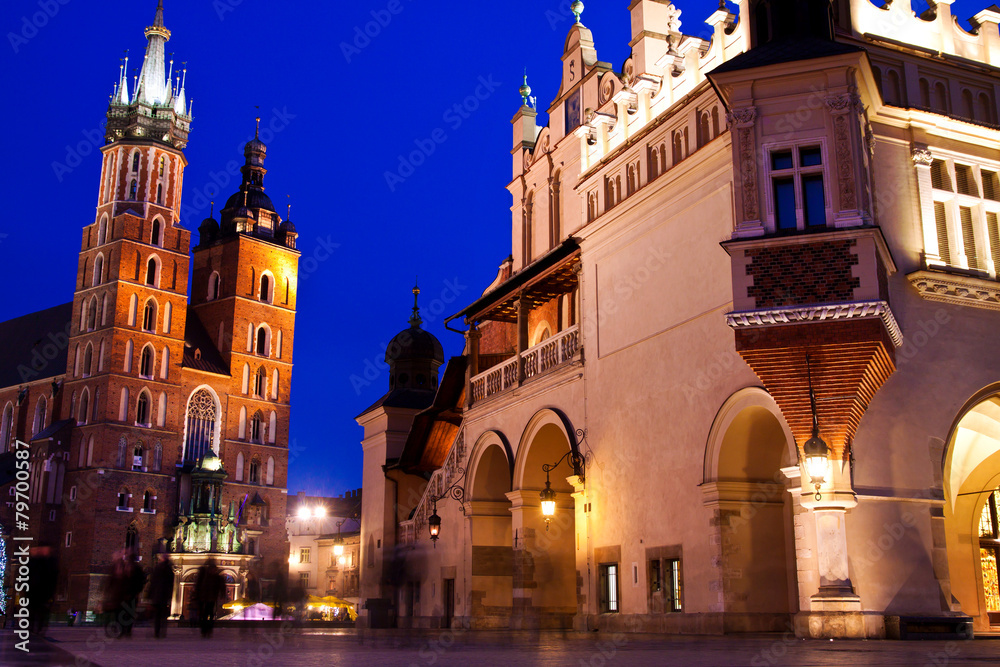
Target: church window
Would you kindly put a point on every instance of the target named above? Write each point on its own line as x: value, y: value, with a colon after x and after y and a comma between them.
x: 127, y: 366
x: 123, y: 412
x: 269, y: 479
x: 254, y: 477
x: 148, y: 502
x: 201, y: 425
x: 163, y: 162
x: 84, y: 408
x: 102, y: 231
x: 142, y: 409
x: 272, y: 427
x: 132, y: 189
x: 213, y: 286
x: 265, y: 288
x: 157, y: 456
x: 123, y: 498
x: 88, y: 360
x: 153, y: 271
x: 263, y: 341
x: 156, y: 236
x: 149, y: 316
x: 260, y: 383
x: 146, y: 362
x: 98, y: 270
x: 159, y: 194
x: 39, y: 422
x: 989, y: 551
x: 135, y: 161
x: 92, y: 314
x: 274, y: 384
x: 239, y: 467
x: 256, y: 428
x: 165, y: 362
x: 137, y: 456
x: 246, y: 378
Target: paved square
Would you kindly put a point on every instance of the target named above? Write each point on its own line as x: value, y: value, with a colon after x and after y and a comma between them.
x: 232, y: 647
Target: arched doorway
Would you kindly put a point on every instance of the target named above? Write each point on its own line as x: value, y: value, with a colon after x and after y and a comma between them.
x: 752, y: 515
x: 545, y: 574
x: 971, y: 479
x: 489, y: 516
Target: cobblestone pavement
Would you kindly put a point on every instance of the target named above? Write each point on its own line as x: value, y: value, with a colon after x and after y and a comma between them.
x: 85, y: 646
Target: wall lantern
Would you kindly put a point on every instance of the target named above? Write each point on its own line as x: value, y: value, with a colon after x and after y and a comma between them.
x: 815, y: 450
x: 338, y: 543
x: 434, y: 524
x: 548, y: 496
x: 456, y: 491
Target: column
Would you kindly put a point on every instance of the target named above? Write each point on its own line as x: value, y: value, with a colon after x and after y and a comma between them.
x: 522, y: 335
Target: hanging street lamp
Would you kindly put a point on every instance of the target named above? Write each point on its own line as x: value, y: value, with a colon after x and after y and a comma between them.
x: 548, y: 495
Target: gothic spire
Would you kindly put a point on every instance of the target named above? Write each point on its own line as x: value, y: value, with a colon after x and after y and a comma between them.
x: 154, y: 87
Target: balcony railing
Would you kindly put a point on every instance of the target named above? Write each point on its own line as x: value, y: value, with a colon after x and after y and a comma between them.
x: 539, y: 359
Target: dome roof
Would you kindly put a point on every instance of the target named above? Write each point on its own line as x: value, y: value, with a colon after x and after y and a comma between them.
x: 287, y: 226
x: 255, y: 199
x: 255, y: 145
x: 209, y: 224
x: 414, y: 344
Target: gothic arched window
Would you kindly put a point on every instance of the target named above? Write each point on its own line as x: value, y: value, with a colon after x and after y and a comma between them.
x: 135, y: 161
x: 154, y: 237
x: 256, y: 427
x: 265, y: 288
x: 149, y: 316
x: 132, y: 537
x: 142, y: 409
x: 146, y: 362
x: 201, y: 423
x: 254, y: 471
x: 260, y: 383
x: 132, y: 189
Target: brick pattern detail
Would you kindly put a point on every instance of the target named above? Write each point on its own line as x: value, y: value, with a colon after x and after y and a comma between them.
x: 802, y: 274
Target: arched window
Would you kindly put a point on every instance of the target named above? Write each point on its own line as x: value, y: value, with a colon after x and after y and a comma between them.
x: 133, y: 305
x: 274, y: 384
x: 161, y: 410
x: 132, y: 538
x: 82, y: 457
x: 123, y: 498
x: 257, y: 427
x: 202, y: 418
x: 156, y: 236
x: 153, y: 271
x: 213, y: 286
x: 159, y: 195
x: 146, y: 362
x: 123, y: 409
x: 39, y: 422
x: 984, y: 108
x: 148, y: 502
x: 92, y: 314
x: 277, y: 346
x: 246, y: 378
x: 168, y: 311
x: 137, y: 457
x: 90, y: 452
x: 157, y: 456
x: 149, y: 316
x: 98, y: 270
x: 127, y: 366
x: 88, y: 360
x: 254, y: 477
x: 940, y: 97
x: 84, y: 415
x: 142, y: 409
x: 266, y: 288
x: 135, y: 161
x: 102, y: 231
x: 104, y: 311
x: 243, y: 423
x: 967, y: 104
x: 163, y: 162
x: 164, y: 363
x: 654, y: 158
x: 6, y: 426
x: 76, y: 361
x: 269, y: 478
x: 97, y: 401
x: 260, y: 383
x: 272, y: 427
x: 240, y: 464
x: 132, y: 189
x: 263, y: 346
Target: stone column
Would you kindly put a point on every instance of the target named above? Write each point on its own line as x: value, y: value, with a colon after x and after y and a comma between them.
x: 522, y: 335
x: 922, y: 161
x: 742, y: 122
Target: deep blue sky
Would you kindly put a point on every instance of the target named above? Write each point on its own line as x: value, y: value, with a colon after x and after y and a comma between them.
x: 346, y: 120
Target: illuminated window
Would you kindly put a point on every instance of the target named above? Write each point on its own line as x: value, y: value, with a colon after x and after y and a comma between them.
x: 798, y: 194
x: 304, y: 555
x: 989, y: 551
x: 608, y: 573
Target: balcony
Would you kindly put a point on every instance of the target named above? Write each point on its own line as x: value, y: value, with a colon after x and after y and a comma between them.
x: 535, y: 361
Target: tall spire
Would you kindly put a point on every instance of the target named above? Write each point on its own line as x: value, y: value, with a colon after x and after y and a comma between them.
x: 415, y: 320
x: 155, y: 88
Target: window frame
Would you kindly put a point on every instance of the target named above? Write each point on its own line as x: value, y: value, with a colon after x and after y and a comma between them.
x: 796, y: 173
x: 609, y: 588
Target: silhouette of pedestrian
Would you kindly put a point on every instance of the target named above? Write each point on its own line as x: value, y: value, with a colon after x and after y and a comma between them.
x: 42, y: 575
x: 161, y: 592
x: 207, y: 589
x: 134, y: 580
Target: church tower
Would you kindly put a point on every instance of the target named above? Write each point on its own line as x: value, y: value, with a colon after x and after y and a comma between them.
x: 123, y: 376
x: 243, y: 291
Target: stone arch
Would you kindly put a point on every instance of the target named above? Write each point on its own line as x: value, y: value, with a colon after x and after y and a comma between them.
x: 545, y: 570
x: 970, y: 475
x: 203, y: 425
x: 748, y: 445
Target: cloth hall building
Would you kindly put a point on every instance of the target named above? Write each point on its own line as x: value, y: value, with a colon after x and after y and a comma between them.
x: 743, y: 352
x: 157, y: 411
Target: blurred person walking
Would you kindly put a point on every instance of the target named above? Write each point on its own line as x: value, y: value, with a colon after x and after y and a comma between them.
x: 207, y: 589
x: 161, y: 592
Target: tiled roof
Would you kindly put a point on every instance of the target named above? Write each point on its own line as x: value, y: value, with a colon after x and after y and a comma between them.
x: 29, y: 341
x: 197, y: 339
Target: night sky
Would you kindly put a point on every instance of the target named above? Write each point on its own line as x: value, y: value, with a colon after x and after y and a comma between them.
x: 339, y: 108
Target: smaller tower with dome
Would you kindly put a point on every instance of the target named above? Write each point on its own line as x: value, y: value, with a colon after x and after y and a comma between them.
x: 414, y: 355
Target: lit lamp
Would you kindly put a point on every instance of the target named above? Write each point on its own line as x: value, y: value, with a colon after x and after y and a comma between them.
x: 434, y: 525
x: 548, y: 496
x: 304, y: 512
x: 338, y: 543
x: 815, y: 450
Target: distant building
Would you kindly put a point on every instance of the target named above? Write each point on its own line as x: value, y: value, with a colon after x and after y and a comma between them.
x: 739, y: 373
x: 157, y: 411
x: 324, y: 537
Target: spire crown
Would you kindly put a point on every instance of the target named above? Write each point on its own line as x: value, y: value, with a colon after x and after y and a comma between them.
x: 415, y: 320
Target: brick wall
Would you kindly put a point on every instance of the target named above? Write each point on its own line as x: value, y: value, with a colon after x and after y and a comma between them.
x: 802, y: 274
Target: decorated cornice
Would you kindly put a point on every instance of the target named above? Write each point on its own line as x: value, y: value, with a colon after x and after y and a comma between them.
x: 957, y: 289
x: 822, y: 313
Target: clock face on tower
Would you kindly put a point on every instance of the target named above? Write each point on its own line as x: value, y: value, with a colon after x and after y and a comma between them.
x: 572, y: 107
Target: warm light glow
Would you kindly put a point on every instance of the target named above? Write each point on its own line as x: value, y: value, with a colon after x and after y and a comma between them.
x: 548, y: 508
x: 817, y: 467
x: 291, y: 560
x: 320, y: 512
x: 342, y: 560
x: 435, y: 529
x: 338, y: 549
x: 304, y: 512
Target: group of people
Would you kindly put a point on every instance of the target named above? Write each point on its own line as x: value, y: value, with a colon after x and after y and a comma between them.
x: 128, y: 579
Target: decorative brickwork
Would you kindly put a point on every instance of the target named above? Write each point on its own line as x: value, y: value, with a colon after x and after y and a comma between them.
x: 802, y: 274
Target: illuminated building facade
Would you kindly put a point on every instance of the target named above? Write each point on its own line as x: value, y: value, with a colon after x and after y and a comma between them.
x: 160, y: 422
x: 744, y: 338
